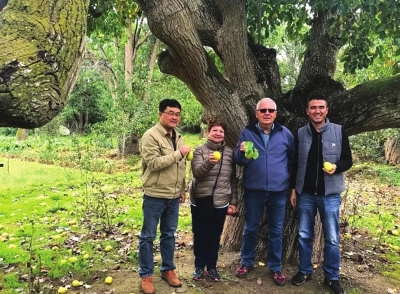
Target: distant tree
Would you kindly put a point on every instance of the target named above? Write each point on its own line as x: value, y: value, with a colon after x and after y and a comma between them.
x: 89, y: 103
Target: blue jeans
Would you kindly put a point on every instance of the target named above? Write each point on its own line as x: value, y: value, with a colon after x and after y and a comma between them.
x: 328, y: 208
x: 166, y: 212
x: 206, y: 236
x: 275, y: 203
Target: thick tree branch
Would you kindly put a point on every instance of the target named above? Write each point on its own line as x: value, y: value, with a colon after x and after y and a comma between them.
x: 321, y: 54
x: 187, y: 59
x: 233, y: 48
x: 368, y: 107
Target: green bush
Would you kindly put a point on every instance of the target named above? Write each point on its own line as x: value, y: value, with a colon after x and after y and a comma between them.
x: 370, y: 145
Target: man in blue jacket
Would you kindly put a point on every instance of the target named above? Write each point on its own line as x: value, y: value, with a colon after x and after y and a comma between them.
x: 265, y: 184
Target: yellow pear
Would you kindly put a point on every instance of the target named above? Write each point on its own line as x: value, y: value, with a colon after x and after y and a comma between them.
x: 328, y: 166
x: 76, y: 283
x: 108, y: 280
x: 189, y: 156
x: 217, y: 155
x: 62, y: 290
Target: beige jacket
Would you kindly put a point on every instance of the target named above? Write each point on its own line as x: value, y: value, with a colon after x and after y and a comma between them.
x: 163, y: 168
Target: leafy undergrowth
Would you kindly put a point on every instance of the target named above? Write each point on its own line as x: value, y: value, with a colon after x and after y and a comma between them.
x: 56, y: 223
x: 86, y: 153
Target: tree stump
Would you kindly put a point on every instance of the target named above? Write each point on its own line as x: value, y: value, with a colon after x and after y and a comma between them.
x: 392, y: 151
x: 129, y: 145
x: 21, y: 135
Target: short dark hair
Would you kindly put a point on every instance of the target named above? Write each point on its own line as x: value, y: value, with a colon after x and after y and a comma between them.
x: 216, y: 122
x: 317, y: 97
x: 169, y: 102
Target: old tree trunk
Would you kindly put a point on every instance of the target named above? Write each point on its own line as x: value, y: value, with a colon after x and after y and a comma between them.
x: 251, y: 72
x: 41, y: 46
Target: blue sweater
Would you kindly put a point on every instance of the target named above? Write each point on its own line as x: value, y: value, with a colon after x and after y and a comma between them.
x: 270, y: 171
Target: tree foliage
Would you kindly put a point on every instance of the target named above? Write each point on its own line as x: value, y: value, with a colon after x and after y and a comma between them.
x: 109, y: 18
x: 355, y: 24
x: 89, y: 102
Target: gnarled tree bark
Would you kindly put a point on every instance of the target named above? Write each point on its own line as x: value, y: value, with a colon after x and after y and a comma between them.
x: 41, y: 48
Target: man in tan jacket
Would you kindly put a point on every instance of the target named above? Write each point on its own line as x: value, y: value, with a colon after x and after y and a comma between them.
x: 163, y: 176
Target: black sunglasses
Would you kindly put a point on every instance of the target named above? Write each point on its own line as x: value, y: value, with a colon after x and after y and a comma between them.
x: 264, y: 110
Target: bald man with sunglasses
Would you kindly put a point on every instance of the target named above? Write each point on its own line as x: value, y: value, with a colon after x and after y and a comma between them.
x: 265, y: 185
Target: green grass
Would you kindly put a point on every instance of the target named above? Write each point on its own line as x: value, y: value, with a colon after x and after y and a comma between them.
x: 52, y: 212
x: 372, y: 209
x: 59, y: 210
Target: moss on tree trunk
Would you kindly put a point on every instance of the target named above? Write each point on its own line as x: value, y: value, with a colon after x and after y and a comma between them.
x: 41, y: 48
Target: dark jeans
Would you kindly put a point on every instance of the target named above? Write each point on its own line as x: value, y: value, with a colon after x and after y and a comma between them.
x: 206, y: 236
x: 255, y: 202
x: 165, y: 212
x: 328, y: 208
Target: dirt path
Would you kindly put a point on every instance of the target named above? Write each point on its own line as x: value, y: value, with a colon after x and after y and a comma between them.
x: 258, y: 281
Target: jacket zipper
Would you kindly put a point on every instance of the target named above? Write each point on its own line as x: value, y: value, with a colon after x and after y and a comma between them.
x: 316, y: 181
x: 177, y: 164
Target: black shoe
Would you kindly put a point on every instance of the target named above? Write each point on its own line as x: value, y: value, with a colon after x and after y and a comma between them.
x: 214, y: 275
x: 198, y: 274
x: 334, y: 285
x: 300, y: 278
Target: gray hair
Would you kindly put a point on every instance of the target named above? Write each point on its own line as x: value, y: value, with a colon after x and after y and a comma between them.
x: 265, y: 99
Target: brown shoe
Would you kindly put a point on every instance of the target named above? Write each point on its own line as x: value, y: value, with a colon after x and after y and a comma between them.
x: 171, y: 278
x: 147, y: 285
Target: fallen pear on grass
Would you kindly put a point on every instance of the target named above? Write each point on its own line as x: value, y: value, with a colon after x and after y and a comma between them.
x: 62, y: 290
x: 76, y: 283
x: 347, y: 236
x: 108, y: 280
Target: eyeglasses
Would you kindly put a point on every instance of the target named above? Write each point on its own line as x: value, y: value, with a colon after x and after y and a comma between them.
x: 177, y: 114
x: 264, y: 110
